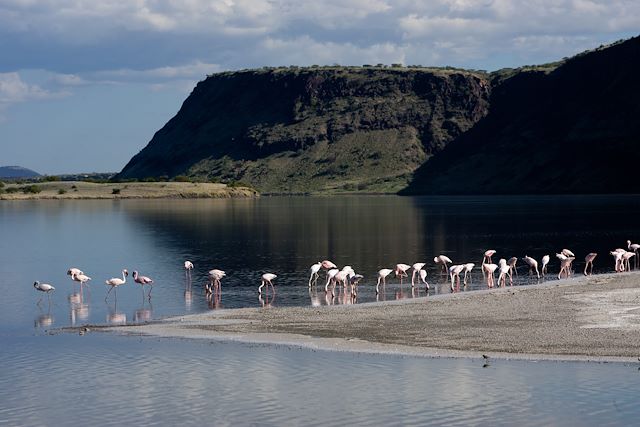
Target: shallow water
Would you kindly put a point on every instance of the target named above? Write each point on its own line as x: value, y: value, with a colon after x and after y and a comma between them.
x: 53, y: 380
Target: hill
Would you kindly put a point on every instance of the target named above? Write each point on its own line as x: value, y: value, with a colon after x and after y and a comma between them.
x: 317, y: 129
x: 17, y: 172
x: 573, y: 128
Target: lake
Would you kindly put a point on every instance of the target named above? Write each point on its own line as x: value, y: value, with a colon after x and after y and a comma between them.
x: 53, y: 380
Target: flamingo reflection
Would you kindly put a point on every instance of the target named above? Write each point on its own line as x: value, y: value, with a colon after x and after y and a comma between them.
x: 78, y: 309
x: 115, y: 317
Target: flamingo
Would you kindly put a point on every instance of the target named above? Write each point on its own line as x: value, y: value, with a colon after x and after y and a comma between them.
x: 545, y: 261
x: 487, y: 255
x: 467, y: 271
x: 114, y: 282
x: 44, y: 287
x: 341, y: 276
x: 331, y: 274
x: 80, y: 277
x: 626, y: 256
x: 617, y: 256
x: 266, y: 280
x: 315, y: 268
x: 512, y: 266
x: 418, y: 266
x: 143, y: 280
x: 73, y: 270
x: 565, y: 265
x: 382, y: 276
x: 504, y: 272
x: 401, y: 271
x: 634, y: 247
x: 215, y: 276
x: 533, y: 265
x: 188, y: 266
x: 442, y: 259
x: 589, y: 261
x: 353, y: 281
x: 568, y: 254
x: 454, y: 273
x: 488, y: 270
x: 423, y: 277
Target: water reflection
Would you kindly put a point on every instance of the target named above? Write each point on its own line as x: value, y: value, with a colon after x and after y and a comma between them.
x: 78, y: 308
x: 115, y: 317
x: 145, y: 312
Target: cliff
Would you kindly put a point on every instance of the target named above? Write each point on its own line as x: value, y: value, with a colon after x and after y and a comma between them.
x: 570, y: 129
x: 315, y: 129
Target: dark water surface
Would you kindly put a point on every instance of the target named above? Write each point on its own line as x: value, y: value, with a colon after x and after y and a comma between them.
x: 54, y: 380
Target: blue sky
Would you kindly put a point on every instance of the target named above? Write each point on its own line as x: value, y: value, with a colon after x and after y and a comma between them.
x: 84, y: 84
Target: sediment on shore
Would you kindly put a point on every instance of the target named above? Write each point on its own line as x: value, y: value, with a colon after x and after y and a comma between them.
x: 583, y: 318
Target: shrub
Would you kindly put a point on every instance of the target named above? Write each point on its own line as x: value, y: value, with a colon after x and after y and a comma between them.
x: 11, y: 190
x: 236, y: 184
x: 1, y: 184
x: 149, y: 179
x: 74, y: 187
x: 181, y: 178
x: 62, y: 191
x: 115, y: 191
x: 31, y: 189
x: 51, y: 178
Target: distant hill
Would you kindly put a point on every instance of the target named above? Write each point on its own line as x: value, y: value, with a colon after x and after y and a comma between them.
x: 17, y: 172
x: 315, y: 129
x: 571, y: 129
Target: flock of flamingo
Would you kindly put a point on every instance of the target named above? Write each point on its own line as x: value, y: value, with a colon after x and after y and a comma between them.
x: 348, y: 278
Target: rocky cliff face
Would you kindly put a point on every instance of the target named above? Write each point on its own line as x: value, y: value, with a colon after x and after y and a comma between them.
x: 574, y: 129
x: 315, y: 129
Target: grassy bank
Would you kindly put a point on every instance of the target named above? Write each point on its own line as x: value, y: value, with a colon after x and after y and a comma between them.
x: 129, y: 190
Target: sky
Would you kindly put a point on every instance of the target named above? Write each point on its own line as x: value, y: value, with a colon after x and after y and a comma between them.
x: 85, y: 84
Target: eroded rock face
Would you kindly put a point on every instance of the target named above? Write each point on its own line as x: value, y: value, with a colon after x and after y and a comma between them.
x: 315, y: 129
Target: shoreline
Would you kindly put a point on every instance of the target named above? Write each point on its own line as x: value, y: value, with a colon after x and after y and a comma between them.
x: 82, y: 190
x: 584, y: 319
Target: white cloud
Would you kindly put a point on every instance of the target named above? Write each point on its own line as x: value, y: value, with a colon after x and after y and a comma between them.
x: 13, y: 89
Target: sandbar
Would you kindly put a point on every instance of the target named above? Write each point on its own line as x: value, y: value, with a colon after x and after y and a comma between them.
x: 594, y: 318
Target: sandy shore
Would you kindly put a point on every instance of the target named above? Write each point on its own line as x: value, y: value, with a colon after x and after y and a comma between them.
x: 126, y: 190
x: 586, y: 319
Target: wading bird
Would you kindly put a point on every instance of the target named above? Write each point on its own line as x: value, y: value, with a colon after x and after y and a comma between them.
x: 454, y: 273
x: 488, y: 270
x: 382, y: 276
x: 423, y: 278
x: 114, y: 282
x: 81, y: 278
x: 545, y: 262
x: 442, y: 259
x: 533, y: 265
x: 143, y: 280
x: 418, y: 266
x: 565, y: 265
x: 313, y: 276
x: 504, y: 272
x: 487, y: 256
x: 215, y: 284
x: 73, y: 270
x: 188, y: 266
x: 401, y: 271
x: 589, y: 262
x: 44, y: 287
x: 633, y: 247
x: 467, y: 271
x: 266, y: 280
x: 512, y: 266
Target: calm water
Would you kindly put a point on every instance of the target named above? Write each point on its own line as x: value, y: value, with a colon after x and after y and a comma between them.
x: 152, y: 381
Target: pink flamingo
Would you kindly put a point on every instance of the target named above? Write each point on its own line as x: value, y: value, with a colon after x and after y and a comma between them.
x: 487, y: 255
x: 353, y: 281
x: 188, y: 266
x: 418, y: 266
x: 442, y: 259
x: 589, y: 262
x: 44, y: 287
x: 565, y: 265
x: 454, y: 273
x: 382, y: 276
x: 72, y: 271
x: 423, y: 277
x: 512, y: 266
x: 488, y: 270
x: 545, y: 262
x: 533, y: 265
x: 401, y: 271
x: 626, y: 256
x: 315, y: 268
x: 114, y: 282
x: 82, y: 278
x: 143, y: 280
x: 504, y: 272
x: 467, y: 271
x: 266, y: 280
x: 331, y: 274
x: 617, y: 256
x: 215, y: 277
